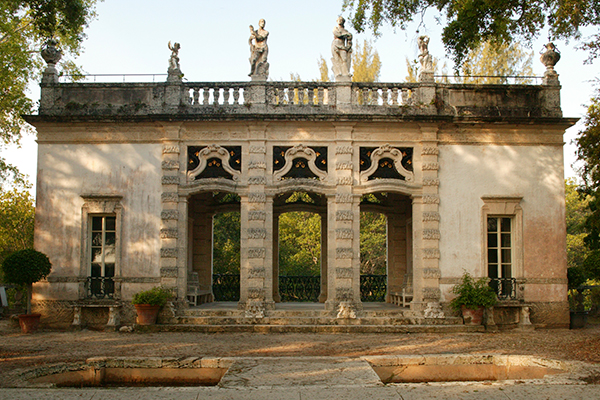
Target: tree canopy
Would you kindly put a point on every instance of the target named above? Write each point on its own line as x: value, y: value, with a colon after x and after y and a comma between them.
x: 24, y: 26
x: 471, y: 22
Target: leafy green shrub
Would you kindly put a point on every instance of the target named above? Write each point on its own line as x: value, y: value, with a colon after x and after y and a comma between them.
x: 24, y: 268
x: 157, y: 296
x: 473, y: 293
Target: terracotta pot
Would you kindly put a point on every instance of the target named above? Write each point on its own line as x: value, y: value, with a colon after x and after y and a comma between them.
x: 472, y: 316
x: 29, y: 322
x: 146, y: 314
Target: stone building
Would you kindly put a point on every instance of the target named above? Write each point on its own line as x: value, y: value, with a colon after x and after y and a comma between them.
x: 470, y: 178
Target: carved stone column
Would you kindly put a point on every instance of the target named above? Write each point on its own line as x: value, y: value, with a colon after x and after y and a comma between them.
x: 324, y: 269
x: 429, y: 231
x: 276, y: 295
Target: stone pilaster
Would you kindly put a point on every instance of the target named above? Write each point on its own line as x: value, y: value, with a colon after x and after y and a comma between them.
x: 171, y: 220
x: 427, y: 229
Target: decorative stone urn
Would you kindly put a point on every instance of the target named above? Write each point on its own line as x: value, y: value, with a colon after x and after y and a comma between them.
x: 550, y: 57
x: 52, y: 55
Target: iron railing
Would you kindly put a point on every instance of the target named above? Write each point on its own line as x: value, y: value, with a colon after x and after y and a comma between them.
x: 226, y: 287
x: 300, y: 288
x: 505, y: 288
x: 100, y: 287
x: 373, y: 288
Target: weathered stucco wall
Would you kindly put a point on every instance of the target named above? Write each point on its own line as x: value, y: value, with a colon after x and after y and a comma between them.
x: 68, y: 171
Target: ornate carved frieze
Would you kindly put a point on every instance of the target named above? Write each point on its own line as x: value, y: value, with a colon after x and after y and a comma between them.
x: 300, y: 162
x: 257, y: 215
x: 169, y: 252
x: 344, y: 253
x: 257, y: 149
x: 431, y: 253
x: 214, y: 161
x: 344, y: 216
x: 257, y: 165
x: 344, y: 150
x: 170, y: 180
x: 431, y: 166
x: 344, y: 198
x: 431, y: 234
x: 171, y: 150
x: 431, y: 199
x: 256, y: 293
x: 341, y: 166
x: 344, y: 233
x: 257, y: 233
x: 256, y: 273
x: 169, y: 197
x: 386, y: 162
x: 344, y: 294
x: 169, y: 214
x: 172, y: 164
x: 343, y: 273
x: 431, y: 182
x: 257, y: 180
x: 257, y: 198
x: 431, y: 216
x: 345, y: 180
x: 432, y: 273
x: 168, y: 233
x: 431, y: 293
x: 430, y: 151
x: 257, y: 252
x: 168, y: 272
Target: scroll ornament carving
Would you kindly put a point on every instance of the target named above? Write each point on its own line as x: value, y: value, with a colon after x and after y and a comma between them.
x: 257, y: 233
x: 169, y: 214
x: 434, y: 310
x: 346, y: 180
x: 257, y: 165
x: 257, y: 252
x: 431, y: 199
x: 431, y: 234
x: 387, y: 151
x: 257, y: 180
x: 213, y: 151
x: 257, y: 215
x: 344, y: 253
x: 344, y: 216
x: 171, y: 150
x: 344, y: 150
x: 300, y: 151
x: 343, y: 198
x: 344, y: 233
x: 258, y: 149
x: 346, y: 310
x: 430, y: 151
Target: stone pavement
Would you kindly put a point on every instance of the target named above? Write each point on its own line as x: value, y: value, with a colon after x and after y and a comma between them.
x: 301, y: 378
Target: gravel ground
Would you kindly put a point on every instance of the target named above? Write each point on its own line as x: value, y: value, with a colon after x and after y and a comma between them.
x: 20, y: 352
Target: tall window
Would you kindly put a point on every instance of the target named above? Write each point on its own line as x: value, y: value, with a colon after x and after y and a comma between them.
x: 499, y: 248
x: 103, y: 238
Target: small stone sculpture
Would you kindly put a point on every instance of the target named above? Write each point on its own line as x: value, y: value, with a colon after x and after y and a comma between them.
x: 174, y: 69
x: 259, y: 50
x: 52, y: 55
x: 424, y: 56
x: 549, y: 56
x: 341, y: 49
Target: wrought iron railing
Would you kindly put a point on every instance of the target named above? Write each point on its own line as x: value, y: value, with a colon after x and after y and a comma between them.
x: 226, y: 287
x: 373, y: 287
x: 505, y: 288
x: 99, y: 287
x: 300, y: 288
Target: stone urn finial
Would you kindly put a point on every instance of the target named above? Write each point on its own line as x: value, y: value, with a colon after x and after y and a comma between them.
x: 549, y: 56
x: 52, y: 55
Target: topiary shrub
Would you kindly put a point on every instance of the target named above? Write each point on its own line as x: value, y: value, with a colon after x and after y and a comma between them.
x: 24, y: 268
x: 473, y: 293
x: 157, y: 296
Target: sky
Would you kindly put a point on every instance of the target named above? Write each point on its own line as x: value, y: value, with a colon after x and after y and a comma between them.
x: 132, y: 36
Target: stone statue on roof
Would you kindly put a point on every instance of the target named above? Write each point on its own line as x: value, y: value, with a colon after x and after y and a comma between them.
x: 259, y: 50
x: 341, y: 50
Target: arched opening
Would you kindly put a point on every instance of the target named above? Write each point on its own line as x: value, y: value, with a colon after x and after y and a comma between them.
x: 298, y: 261
x: 214, y: 247
x: 386, y: 247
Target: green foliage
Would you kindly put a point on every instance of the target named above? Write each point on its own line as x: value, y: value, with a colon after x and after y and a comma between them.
x: 24, y: 26
x: 471, y: 22
x: 366, y: 65
x: 373, y: 237
x: 226, y: 243
x: 299, y: 244
x: 577, y: 212
x: 473, y: 293
x: 25, y: 267
x: 16, y: 221
x: 494, y: 60
x: 323, y: 70
x: 157, y: 296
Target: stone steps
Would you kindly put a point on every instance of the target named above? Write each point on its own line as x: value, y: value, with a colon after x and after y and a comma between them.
x: 321, y: 321
x: 264, y: 328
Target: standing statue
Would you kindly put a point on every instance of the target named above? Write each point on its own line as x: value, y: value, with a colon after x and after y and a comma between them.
x: 259, y: 50
x: 341, y: 49
x: 174, y: 70
x: 424, y: 56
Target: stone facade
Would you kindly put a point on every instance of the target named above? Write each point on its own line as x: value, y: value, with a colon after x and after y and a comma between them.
x: 439, y: 158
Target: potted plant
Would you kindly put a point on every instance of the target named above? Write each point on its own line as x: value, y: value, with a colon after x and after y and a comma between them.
x: 148, y: 303
x: 24, y: 268
x: 473, y: 296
